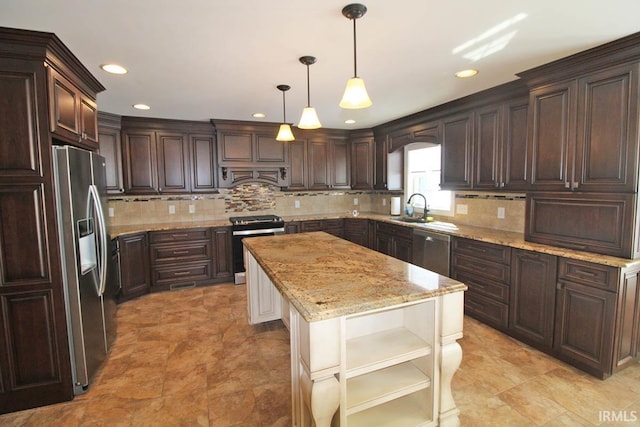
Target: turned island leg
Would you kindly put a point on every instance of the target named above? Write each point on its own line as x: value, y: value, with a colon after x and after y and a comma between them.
x: 452, y: 314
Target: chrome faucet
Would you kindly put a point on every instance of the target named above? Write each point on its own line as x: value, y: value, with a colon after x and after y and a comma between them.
x: 424, y: 214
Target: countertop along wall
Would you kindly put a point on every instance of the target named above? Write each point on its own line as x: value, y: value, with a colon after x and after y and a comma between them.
x: 259, y: 199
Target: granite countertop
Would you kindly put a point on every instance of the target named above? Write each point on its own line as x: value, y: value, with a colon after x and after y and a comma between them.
x: 489, y: 235
x: 325, y: 277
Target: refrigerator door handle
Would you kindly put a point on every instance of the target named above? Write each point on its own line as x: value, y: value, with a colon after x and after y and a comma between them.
x: 102, y: 237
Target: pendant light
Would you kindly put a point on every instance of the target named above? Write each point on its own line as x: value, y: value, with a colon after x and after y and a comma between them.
x: 355, y: 94
x: 309, y: 118
x: 284, y: 133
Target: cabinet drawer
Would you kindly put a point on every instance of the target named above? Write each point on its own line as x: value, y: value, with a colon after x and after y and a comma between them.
x: 487, y: 310
x: 313, y: 225
x: 187, y: 234
x: 395, y: 230
x: 479, y: 267
x: 333, y: 223
x: 488, y: 251
x: 587, y: 273
x: 482, y: 286
x: 163, y: 254
x: 165, y: 276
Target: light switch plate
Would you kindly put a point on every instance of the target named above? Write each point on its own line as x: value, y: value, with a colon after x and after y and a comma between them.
x: 462, y: 209
x: 501, y: 213
x: 296, y: 204
x: 355, y: 201
x: 192, y: 208
x: 111, y: 212
x: 172, y: 209
x: 384, y: 202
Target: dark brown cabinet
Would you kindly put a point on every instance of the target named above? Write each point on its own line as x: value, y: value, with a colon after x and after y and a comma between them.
x: 135, y: 272
x: 584, y: 132
x: 292, y: 227
x: 73, y: 114
x: 394, y: 240
x: 35, y: 366
x: 298, y: 170
x: 500, y: 146
x: 486, y: 269
x: 457, y: 151
x: 329, y: 163
x: 331, y: 226
x: 362, y: 162
x: 167, y: 156
x: 110, y: 148
x: 222, y: 257
x: 594, y: 222
x: 532, y: 297
x: 357, y: 231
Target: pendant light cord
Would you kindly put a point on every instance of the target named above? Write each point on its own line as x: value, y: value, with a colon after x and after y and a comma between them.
x: 284, y: 109
x: 308, y: 89
x: 355, y: 61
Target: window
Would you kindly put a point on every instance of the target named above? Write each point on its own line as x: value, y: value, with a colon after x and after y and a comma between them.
x: 422, y: 176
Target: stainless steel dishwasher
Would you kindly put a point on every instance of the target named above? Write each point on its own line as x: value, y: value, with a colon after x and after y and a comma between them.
x: 431, y: 251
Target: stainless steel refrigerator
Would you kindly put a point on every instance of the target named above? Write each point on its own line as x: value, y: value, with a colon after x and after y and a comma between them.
x: 80, y: 181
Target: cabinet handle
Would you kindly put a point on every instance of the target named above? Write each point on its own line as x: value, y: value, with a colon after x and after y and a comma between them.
x: 181, y: 273
x: 567, y: 184
x: 180, y: 252
x: 586, y: 273
x: 179, y: 236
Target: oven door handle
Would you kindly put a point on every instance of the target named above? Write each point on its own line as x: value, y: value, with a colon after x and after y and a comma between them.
x: 257, y: 232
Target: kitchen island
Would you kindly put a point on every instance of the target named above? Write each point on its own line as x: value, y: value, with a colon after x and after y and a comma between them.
x: 373, y: 339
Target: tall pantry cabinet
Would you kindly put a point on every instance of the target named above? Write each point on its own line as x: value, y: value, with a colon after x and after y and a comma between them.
x: 46, y: 97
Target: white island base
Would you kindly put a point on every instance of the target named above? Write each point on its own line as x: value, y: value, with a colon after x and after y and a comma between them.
x: 390, y: 366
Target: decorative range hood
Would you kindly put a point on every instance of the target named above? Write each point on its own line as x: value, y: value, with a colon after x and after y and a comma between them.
x: 249, y: 152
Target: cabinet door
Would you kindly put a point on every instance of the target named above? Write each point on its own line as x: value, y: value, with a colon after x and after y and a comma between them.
x: 64, y: 101
x: 380, y: 170
x: 402, y: 249
x: 140, y: 162
x: 340, y: 164
x: 384, y: 243
x: 552, y: 132
x: 607, y: 131
x: 135, y: 272
x: 173, y: 163
x: 513, y: 168
x: 111, y: 150
x: 203, y: 162
x: 532, y: 297
x: 319, y: 178
x: 235, y: 147
x: 584, y: 326
x: 222, y: 265
x: 298, y: 169
x: 362, y: 164
x: 357, y: 231
x: 457, y: 152
x: 88, y: 122
x: 487, y: 148
x: 269, y: 151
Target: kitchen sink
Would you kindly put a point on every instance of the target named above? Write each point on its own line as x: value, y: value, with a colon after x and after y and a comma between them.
x: 409, y: 219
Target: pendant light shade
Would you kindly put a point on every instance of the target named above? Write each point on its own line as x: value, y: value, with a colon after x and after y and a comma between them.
x: 284, y: 133
x: 355, y: 94
x: 309, y: 118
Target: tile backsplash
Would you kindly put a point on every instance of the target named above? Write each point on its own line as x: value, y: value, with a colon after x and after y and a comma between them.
x: 255, y: 199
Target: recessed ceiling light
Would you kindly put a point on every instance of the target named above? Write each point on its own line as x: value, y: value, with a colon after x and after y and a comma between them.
x: 114, y: 68
x: 259, y: 115
x: 466, y: 73
x: 141, y: 107
x: 349, y: 121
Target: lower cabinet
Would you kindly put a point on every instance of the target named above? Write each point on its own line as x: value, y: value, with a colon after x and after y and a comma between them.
x: 332, y: 226
x: 134, y: 266
x: 485, y: 268
x: 532, y: 299
x: 180, y: 258
x: 395, y: 241
x: 357, y: 231
x: 222, y: 254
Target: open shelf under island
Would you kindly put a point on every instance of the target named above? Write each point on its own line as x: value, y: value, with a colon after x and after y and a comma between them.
x: 373, y: 338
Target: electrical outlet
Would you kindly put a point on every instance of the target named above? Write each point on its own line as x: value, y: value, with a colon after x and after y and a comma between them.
x: 172, y: 209
x: 501, y: 213
x: 355, y: 201
x: 111, y: 212
x: 462, y: 209
x: 384, y: 202
x: 296, y: 204
x: 192, y: 208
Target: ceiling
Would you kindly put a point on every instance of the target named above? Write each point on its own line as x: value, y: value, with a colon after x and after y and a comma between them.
x: 203, y: 59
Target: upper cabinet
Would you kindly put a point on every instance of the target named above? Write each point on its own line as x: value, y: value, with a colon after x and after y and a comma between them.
x: 456, y: 152
x: 329, y: 163
x: 110, y: 147
x: 583, y: 123
x: 167, y: 156
x: 362, y: 161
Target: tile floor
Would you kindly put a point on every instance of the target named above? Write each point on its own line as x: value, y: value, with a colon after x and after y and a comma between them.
x: 189, y: 358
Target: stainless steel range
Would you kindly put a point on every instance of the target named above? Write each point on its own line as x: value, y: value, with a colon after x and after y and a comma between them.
x: 250, y: 226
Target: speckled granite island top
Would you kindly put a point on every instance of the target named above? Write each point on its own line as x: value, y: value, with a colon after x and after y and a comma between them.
x: 324, y: 277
